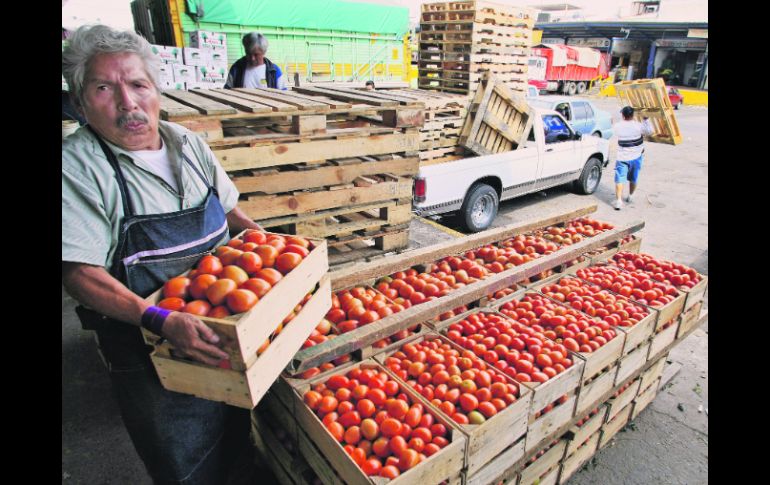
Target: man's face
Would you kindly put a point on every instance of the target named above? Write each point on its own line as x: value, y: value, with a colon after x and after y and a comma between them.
x: 256, y: 57
x: 121, y: 103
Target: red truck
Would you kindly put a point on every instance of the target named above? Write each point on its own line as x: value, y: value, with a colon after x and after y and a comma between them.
x: 565, y: 69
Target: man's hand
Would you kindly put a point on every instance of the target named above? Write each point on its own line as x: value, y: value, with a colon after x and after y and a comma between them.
x: 192, y: 338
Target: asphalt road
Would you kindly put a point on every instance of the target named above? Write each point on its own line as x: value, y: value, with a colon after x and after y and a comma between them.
x: 666, y: 445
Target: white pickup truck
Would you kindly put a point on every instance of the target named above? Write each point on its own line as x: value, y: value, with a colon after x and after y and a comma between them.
x: 554, y: 154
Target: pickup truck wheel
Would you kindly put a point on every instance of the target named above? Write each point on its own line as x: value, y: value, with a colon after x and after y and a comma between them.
x: 479, y: 208
x: 590, y: 177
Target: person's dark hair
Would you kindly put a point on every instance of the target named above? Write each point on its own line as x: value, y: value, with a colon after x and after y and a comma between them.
x: 627, y: 112
x: 369, y: 83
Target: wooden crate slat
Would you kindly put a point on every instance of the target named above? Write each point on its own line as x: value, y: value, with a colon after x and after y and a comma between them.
x: 356, y: 98
x: 202, y: 104
x: 236, y: 102
x: 170, y: 109
x: 282, y: 96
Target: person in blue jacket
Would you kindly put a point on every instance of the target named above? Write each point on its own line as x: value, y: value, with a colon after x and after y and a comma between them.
x: 254, y: 70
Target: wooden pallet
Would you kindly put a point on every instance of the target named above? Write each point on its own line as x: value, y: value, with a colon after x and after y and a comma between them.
x: 499, y: 121
x: 260, y: 207
x: 649, y: 98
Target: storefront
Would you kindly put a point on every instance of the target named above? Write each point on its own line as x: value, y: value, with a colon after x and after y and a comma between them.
x: 682, y: 62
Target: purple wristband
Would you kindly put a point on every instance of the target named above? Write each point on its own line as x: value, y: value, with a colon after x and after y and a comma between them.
x: 153, y: 318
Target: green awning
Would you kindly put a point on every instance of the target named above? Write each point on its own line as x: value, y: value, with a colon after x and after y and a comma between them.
x: 306, y: 14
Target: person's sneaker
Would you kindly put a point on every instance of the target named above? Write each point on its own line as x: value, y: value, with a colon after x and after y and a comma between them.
x: 628, y: 198
x: 617, y: 204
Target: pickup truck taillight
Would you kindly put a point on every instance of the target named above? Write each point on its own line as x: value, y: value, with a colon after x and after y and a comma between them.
x: 419, y: 189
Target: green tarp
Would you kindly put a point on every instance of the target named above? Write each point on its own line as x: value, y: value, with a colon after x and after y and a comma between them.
x: 306, y: 14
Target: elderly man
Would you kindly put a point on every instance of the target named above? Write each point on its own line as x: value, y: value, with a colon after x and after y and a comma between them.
x: 142, y: 200
x: 254, y: 70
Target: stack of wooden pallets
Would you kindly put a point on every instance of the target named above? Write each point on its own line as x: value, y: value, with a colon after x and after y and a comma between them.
x: 459, y: 41
x: 649, y: 98
x: 332, y: 163
x: 445, y: 114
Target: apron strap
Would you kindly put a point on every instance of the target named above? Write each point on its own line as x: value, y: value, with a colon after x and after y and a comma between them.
x: 128, y: 206
x: 195, y: 169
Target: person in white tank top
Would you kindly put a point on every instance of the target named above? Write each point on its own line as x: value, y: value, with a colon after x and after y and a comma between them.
x: 628, y: 161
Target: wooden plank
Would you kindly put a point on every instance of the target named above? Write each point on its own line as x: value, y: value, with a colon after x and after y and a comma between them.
x: 663, y: 338
x: 259, y: 207
x: 332, y: 103
x: 581, y: 455
x: 171, y: 109
x: 531, y: 474
x: 350, y: 277
x: 276, y: 106
x: 202, y: 104
x: 610, y: 429
x: 578, y: 434
x: 333, y: 213
x: 355, y: 98
x: 546, y: 427
x: 500, y: 467
x: 632, y: 362
x: 591, y: 392
x: 286, y: 181
x: 285, y: 97
x: 244, y: 158
x: 645, y: 397
x: 308, y: 124
x: 384, y: 95
x: 236, y: 102
x: 619, y: 402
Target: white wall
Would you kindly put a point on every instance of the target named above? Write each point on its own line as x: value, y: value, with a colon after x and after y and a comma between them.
x: 115, y: 13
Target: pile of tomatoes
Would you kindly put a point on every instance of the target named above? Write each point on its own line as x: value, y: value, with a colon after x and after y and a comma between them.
x: 574, y: 231
x: 637, y: 285
x: 236, y: 276
x: 560, y: 323
x: 594, y: 301
x: 378, y: 425
x: 518, y: 350
x: 360, y: 306
x: 679, y: 275
x: 460, y: 385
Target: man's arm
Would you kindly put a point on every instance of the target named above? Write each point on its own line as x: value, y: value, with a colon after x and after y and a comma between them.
x: 238, y: 221
x: 94, y: 287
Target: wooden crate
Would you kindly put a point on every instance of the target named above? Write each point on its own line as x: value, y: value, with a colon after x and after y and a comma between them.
x: 546, y: 427
x: 616, y: 404
x: 652, y: 373
x: 484, y: 441
x: 278, y: 412
x: 541, y: 471
x: 444, y: 465
x: 689, y: 319
x: 498, y: 120
x: 649, y: 98
x: 287, y: 466
x: 662, y: 339
x: 243, y: 334
x: 633, y: 335
x: 645, y: 398
x: 579, y: 434
x: 632, y: 246
x: 580, y: 456
x: 696, y: 293
x: 593, y: 390
x: 499, y: 468
x: 632, y: 362
x: 611, y: 428
x: 245, y: 388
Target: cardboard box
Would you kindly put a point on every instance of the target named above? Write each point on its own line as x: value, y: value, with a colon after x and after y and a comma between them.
x: 168, y: 54
x: 168, y: 85
x: 195, y: 57
x: 217, y: 56
x: 204, y: 38
x: 184, y: 74
x: 166, y: 73
x: 197, y: 85
x: 211, y: 74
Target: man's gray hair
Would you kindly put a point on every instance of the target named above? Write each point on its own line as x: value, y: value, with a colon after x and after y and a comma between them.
x: 255, y: 39
x: 90, y: 40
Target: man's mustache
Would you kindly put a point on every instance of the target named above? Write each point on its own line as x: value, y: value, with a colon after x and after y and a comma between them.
x: 132, y: 118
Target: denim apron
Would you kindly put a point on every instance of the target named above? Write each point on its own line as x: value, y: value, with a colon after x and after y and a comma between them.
x: 180, y: 438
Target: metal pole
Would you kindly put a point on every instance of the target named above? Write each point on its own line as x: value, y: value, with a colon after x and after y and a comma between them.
x: 651, y: 60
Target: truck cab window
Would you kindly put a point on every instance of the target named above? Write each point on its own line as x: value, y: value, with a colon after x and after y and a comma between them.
x: 556, y: 130
x: 563, y: 108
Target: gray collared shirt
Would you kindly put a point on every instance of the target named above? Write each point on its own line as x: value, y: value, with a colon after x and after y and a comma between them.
x: 92, y: 209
